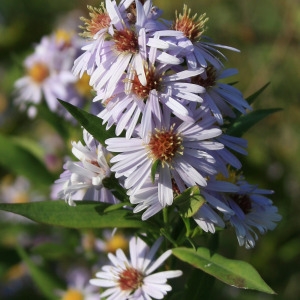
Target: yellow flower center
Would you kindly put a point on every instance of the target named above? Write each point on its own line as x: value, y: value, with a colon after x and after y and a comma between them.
x: 15, y: 272
x: 116, y: 242
x: 21, y: 197
x: 63, y: 37
x: 39, y: 72
x: 83, y: 85
x: 73, y: 294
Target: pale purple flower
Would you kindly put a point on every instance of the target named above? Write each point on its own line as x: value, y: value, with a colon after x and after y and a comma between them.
x: 201, y: 51
x: 134, y: 278
x: 123, y: 47
x: 220, y: 97
x: 179, y: 149
x: 146, y: 198
x: 78, y: 286
x: 132, y: 101
x: 49, y: 75
x: 253, y: 212
x: 82, y: 179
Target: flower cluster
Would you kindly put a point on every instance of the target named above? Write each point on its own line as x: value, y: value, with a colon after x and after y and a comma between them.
x: 162, y: 89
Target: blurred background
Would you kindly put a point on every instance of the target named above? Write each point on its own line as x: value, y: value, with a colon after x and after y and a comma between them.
x: 268, y: 35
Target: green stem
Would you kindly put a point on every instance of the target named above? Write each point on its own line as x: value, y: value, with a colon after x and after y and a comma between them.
x: 165, y: 215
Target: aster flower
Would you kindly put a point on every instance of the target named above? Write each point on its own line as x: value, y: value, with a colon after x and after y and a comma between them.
x: 178, y: 148
x: 218, y: 96
x: 146, y: 198
x: 132, y: 100
x: 202, y: 52
x: 132, y: 278
x: 118, y: 45
x: 209, y: 214
x: 83, y: 179
x: 78, y: 286
x: 253, y: 212
x: 49, y: 73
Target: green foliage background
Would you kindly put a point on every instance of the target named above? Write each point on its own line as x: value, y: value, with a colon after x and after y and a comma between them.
x: 268, y: 35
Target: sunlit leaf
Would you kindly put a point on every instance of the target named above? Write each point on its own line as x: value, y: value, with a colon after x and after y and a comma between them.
x: 21, y: 161
x: 233, y: 272
x: 86, y: 214
x: 90, y: 122
x: 245, y: 122
x: 189, y: 201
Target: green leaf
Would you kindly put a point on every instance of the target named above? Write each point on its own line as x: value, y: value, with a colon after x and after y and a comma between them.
x: 21, y: 161
x: 86, y: 214
x: 189, y: 201
x: 154, y: 168
x: 90, y: 122
x: 52, y: 251
x: 114, y: 186
x: 233, y: 272
x: 253, y: 97
x: 46, y: 284
x: 199, y: 285
x: 245, y: 122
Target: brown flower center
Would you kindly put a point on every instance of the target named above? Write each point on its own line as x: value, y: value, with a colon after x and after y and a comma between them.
x: 164, y: 145
x: 243, y: 201
x: 209, y: 80
x: 153, y: 83
x: 192, y: 27
x: 130, y: 279
x: 126, y: 41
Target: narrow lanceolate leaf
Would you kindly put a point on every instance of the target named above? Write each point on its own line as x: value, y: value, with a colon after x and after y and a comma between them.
x: 86, y: 214
x: 189, y: 201
x: 90, y: 122
x: 46, y: 284
x: 233, y: 272
x: 254, y: 96
x: 21, y: 161
x: 114, y: 186
x: 245, y: 122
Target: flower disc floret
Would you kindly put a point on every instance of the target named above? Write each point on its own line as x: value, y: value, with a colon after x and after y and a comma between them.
x: 163, y: 145
x: 130, y: 279
x: 153, y: 83
x: 38, y: 72
x: 99, y: 19
x: 209, y: 80
x: 192, y: 27
x: 243, y: 201
x: 126, y: 41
